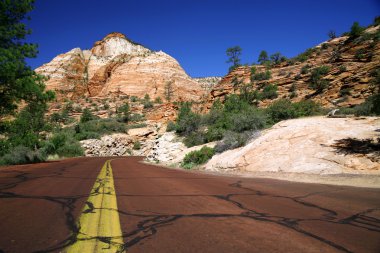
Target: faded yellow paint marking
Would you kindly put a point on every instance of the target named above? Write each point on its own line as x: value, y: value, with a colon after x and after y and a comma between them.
x: 99, y: 224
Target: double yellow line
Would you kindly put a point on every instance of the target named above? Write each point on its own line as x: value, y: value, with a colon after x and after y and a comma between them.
x: 99, y: 224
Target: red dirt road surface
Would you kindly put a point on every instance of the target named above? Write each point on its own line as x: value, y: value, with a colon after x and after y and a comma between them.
x: 168, y: 210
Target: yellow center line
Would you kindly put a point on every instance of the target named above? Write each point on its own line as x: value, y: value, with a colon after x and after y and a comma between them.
x: 99, y: 224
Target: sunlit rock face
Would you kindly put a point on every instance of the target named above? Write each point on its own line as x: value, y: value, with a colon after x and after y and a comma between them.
x: 117, y: 66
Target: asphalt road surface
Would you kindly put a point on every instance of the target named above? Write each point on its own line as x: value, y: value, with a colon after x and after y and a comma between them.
x: 128, y: 206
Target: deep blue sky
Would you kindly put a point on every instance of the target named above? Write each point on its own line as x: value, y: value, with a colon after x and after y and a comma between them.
x: 195, y: 32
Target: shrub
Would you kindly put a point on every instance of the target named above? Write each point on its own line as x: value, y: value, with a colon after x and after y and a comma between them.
x: 70, y: 149
x: 307, y: 108
x: 316, y: 81
x: 232, y: 140
x: 86, y: 116
x: 360, y: 54
x: 281, y: 110
x: 356, y: 30
x: 136, y: 117
x: 95, y: 128
x: 187, y: 121
x: 194, y: 139
x: 158, y: 100
x: 331, y: 34
x: 370, y: 107
x: 305, y: 55
x: 345, y: 92
x: 134, y: 99
x: 342, y: 69
x: 199, y: 156
x: 124, y: 112
x: 249, y: 119
x: 261, y: 76
x: 324, y: 46
x: 269, y: 92
x: 171, y: 126
x: 305, y: 69
x: 22, y: 155
x: 137, y: 145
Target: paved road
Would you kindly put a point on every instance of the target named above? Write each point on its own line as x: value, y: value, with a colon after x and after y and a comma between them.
x: 167, y: 210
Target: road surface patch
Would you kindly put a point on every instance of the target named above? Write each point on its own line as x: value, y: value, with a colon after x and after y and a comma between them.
x: 99, y: 223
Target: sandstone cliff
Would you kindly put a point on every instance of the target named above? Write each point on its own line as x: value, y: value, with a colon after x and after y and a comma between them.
x: 117, y: 66
x: 350, y: 63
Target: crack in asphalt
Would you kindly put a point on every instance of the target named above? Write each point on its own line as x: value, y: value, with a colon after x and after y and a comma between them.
x: 151, y: 223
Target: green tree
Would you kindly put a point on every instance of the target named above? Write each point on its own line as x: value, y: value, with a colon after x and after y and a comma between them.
x: 331, y: 34
x: 18, y: 82
x: 234, y: 56
x: 356, y: 30
x: 86, y: 116
x: 276, y: 58
x: 263, y: 57
x: 124, y: 112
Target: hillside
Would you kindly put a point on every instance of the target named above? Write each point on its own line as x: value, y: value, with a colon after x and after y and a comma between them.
x: 349, y: 66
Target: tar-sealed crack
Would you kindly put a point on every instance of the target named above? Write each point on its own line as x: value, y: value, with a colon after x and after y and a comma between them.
x: 152, y: 222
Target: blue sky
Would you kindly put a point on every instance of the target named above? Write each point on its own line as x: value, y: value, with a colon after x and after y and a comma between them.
x: 195, y: 32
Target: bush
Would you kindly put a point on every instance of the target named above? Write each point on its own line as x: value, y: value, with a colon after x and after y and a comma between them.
x: 95, y: 128
x: 158, y: 100
x: 124, y: 112
x: 342, y: 69
x: 269, y: 92
x: 324, y: 46
x: 305, y: 69
x: 232, y: 140
x: 345, y: 92
x: 137, y: 145
x: 187, y: 121
x: 198, y: 157
x: 136, y: 117
x: 86, y: 116
x: 307, y: 108
x: 284, y: 109
x: 360, y: 54
x: 194, y: 139
x: 171, y: 126
x: 356, y: 30
x: 70, y: 149
x: 316, y: 81
x: 281, y: 110
x: 22, y: 155
x: 261, y: 76
x: 370, y: 107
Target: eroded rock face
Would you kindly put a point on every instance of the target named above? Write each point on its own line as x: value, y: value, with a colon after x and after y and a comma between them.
x: 350, y: 63
x: 116, y: 66
x: 303, y: 146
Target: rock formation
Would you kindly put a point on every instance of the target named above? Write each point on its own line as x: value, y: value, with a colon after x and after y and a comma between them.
x: 351, y: 64
x: 307, y: 145
x: 117, y: 66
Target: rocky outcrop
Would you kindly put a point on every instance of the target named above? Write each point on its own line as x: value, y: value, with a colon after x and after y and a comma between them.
x: 109, y: 145
x: 307, y: 145
x: 169, y: 149
x: 351, y: 64
x: 117, y: 66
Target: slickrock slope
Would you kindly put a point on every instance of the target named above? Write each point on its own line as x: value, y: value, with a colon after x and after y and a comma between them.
x: 351, y: 63
x: 117, y: 66
x: 308, y: 145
